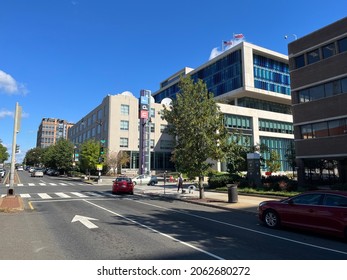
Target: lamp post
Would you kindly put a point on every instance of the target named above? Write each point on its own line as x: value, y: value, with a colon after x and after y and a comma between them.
x: 101, y: 150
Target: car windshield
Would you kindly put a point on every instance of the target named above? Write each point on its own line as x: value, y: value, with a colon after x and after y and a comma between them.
x: 120, y: 179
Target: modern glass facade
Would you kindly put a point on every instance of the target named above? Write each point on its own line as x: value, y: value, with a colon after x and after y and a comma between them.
x: 264, y: 105
x: 271, y: 75
x: 275, y: 126
x: 281, y: 146
x: 220, y: 77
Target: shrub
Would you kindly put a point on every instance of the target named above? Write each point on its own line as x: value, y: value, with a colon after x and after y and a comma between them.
x: 221, y: 180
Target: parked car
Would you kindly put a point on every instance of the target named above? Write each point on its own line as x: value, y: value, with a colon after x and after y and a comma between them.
x: 2, y: 172
x: 318, y: 211
x: 37, y: 173
x: 123, y: 185
x: 145, y: 180
x: 20, y: 168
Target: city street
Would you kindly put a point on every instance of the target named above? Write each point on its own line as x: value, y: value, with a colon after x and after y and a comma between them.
x: 71, y: 220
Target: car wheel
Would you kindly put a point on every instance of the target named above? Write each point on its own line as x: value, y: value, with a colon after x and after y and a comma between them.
x: 271, y: 219
x: 134, y: 183
x: 152, y: 183
x: 132, y: 192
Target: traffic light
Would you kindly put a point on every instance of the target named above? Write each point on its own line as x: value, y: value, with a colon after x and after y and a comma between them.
x: 17, y: 149
x: 102, y: 150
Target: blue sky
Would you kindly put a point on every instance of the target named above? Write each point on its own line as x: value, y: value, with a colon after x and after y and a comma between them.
x: 60, y: 58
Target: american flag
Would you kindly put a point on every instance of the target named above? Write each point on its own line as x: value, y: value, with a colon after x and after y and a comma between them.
x: 238, y: 36
x: 227, y: 43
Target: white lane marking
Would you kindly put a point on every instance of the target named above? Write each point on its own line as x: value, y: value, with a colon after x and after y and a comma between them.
x: 53, y: 184
x: 62, y: 184
x: 244, y: 228
x: 25, y: 195
x: 78, y: 194
x: 86, y: 221
x: 42, y: 184
x: 95, y: 194
x: 20, y: 185
x: 31, y: 184
x: 156, y: 231
x: 62, y: 195
x: 44, y: 196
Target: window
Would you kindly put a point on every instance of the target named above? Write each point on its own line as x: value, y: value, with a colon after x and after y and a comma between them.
x: 152, y: 113
x: 313, y: 56
x: 306, y: 131
x: 152, y: 127
x: 344, y: 85
x: 320, y: 130
x: 299, y: 61
x: 342, y: 45
x: 124, y: 109
x: 329, y: 50
x: 166, y: 144
x: 163, y: 128
x: 317, y: 92
x: 124, y: 142
x: 335, y: 200
x: 337, y: 127
x: 124, y: 125
x: 308, y: 199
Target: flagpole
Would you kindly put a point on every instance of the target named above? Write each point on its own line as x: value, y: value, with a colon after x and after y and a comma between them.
x: 222, y: 45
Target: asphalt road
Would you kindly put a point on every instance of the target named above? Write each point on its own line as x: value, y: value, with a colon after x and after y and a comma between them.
x: 74, y: 221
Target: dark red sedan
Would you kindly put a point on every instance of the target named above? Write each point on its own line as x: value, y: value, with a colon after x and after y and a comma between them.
x: 123, y: 185
x: 318, y: 211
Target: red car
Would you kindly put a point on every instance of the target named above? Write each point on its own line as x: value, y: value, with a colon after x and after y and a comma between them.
x: 318, y: 211
x: 123, y: 185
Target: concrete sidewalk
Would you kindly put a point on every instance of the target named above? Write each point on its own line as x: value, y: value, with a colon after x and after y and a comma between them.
x: 216, y: 199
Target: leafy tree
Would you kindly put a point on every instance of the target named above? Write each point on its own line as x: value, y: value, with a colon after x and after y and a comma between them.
x: 89, y: 155
x: 273, y: 163
x: 35, y: 156
x: 62, y: 153
x: 236, y: 156
x: 197, y: 125
x: 291, y: 156
x: 4, y: 155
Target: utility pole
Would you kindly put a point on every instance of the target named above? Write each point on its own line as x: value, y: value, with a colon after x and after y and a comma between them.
x: 16, y: 128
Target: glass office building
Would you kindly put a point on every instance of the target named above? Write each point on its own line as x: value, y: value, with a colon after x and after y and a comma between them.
x: 252, y: 86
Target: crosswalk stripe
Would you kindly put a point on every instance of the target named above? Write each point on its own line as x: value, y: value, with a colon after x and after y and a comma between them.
x: 62, y: 184
x: 79, y: 194
x: 3, y: 195
x: 31, y: 184
x: 94, y: 194
x: 42, y: 184
x: 44, y: 196
x: 20, y: 185
x: 62, y: 195
x: 25, y: 195
x: 53, y: 184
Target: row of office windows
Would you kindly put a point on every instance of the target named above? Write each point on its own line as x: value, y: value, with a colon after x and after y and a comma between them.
x: 275, y: 126
x: 281, y: 147
x: 323, y: 52
x: 163, y: 144
x: 264, y: 105
x: 324, y: 129
x: 234, y: 121
x: 322, y: 91
x: 220, y: 77
x: 271, y: 75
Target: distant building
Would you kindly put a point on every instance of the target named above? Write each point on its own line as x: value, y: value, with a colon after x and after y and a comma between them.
x: 116, y: 120
x: 51, y: 130
x: 252, y: 86
x: 318, y: 64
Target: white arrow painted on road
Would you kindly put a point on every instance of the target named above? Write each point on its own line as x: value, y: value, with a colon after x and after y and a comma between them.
x: 85, y: 221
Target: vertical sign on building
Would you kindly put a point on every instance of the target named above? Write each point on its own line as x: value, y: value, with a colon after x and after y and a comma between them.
x: 145, y: 132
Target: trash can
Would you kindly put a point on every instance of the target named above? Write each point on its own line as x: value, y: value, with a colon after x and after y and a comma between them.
x: 232, y: 193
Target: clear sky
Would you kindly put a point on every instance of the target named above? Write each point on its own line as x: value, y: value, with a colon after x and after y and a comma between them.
x: 60, y: 58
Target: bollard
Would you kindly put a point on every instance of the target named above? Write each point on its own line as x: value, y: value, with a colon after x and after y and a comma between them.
x: 10, y: 191
x: 232, y: 193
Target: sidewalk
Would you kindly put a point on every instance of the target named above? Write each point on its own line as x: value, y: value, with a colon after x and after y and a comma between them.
x: 220, y: 200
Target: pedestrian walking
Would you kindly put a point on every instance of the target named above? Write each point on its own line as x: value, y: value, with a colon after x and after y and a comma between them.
x: 180, y: 183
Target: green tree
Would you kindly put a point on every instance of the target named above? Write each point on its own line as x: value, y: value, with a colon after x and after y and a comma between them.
x: 236, y: 155
x: 62, y: 153
x: 273, y: 163
x: 89, y: 155
x: 116, y: 160
x: 196, y: 123
x: 4, y: 155
x: 35, y: 157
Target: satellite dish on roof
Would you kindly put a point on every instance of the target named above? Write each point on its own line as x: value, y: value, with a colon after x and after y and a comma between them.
x: 166, y: 101
x: 128, y: 93
x: 152, y: 99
